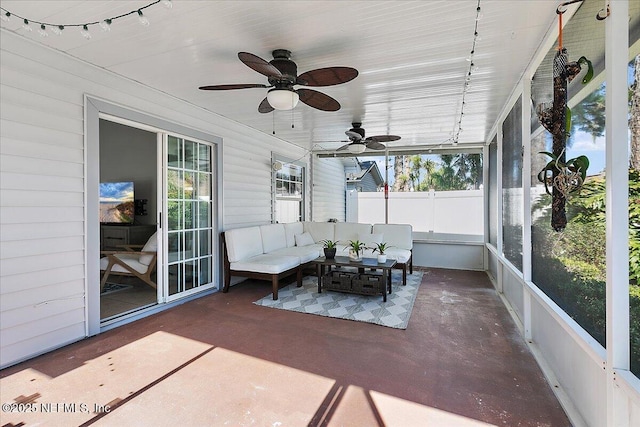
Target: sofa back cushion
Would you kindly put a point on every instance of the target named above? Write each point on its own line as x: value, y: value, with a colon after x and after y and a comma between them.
x: 291, y: 229
x: 273, y: 237
x: 319, y: 230
x: 397, y: 235
x: 346, y: 231
x: 243, y: 243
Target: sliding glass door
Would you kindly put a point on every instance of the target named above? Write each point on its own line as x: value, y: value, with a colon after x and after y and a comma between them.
x: 189, y: 217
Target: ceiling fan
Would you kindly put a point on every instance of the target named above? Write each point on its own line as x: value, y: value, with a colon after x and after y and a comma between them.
x: 358, y: 143
x: 282, y: 75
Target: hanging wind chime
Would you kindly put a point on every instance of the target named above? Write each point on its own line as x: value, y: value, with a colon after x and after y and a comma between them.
x: 562, y: 176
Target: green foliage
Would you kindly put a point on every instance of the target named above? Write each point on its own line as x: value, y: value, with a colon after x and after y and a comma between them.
x: 589, y: 115
x: 357, y: 246
x: 380, y: 247
x: 570, y: 266
x: 577, y: 166
x: 329, y: 244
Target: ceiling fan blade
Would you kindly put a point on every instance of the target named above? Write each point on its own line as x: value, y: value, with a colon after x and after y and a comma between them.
x: 353, y: 136
x: 265, y: 107
x: 383, y: 138
x: 344, y: 147
x: 258, y: 64
x: 233, y: 86
x: 375, y: 145
x: 318, y: 100
x: 327, y: 76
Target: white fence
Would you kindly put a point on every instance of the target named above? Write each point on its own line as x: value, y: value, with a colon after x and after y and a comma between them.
x: 449, y: 212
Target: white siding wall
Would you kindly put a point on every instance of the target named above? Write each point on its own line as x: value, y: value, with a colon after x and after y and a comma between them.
x: 328, y: 189
x: 43, y: 289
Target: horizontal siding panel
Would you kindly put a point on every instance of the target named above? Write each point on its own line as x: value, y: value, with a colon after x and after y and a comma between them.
x: 35, y: 279
x: 22, y: 248
x: 247, y: 187
x: 40, y: 262
x: 41, y: 343
x: 24, y: 181
x: 34, y: 133
x: 43, y: 295
x: 42, y: 326
x: 22, y: 315
x: 24, y: 215
x: 265, y: 213
x: 30, y: 165
x: 40, y: 230
x: 39, y: 198
x: 55, y: 83
x: 37, y: 150
x: 21, y: 114
x: 26, y: 98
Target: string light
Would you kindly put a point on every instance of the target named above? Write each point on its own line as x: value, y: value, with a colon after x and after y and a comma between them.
x: 105, y: 24
x: 457, y: 129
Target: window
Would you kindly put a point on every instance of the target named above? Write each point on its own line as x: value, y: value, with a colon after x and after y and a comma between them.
x: 289, y: 188
x: 512, y: 198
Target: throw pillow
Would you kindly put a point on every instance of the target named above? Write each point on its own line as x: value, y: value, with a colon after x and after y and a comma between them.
x: 304, y: 239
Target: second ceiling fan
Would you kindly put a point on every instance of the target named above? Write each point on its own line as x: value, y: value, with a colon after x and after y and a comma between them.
x: 358, y: 143
x: 282, y: 74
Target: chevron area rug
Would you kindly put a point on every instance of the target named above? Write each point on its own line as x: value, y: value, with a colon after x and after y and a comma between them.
x: 394, y: 313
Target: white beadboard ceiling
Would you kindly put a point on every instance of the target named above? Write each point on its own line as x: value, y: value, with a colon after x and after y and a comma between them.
x: 411, y: 55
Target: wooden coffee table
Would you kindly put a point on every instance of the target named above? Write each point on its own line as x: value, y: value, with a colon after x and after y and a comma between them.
x: 363, y: 283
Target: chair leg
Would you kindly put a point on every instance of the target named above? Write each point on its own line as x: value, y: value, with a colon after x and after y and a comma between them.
x: 299, y: 277
x: 227, y: 281
x: 404, y: 275
x: 411, y: 265
x: 274, y: 286
x: 105, y: 275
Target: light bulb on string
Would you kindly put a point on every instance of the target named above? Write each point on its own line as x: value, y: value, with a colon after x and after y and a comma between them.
x: 85, y: 32
x: 143, y: 19
x: 26, y: 26
x: 105, y: 25
x: 57, y: 30
x: 167, y: 3
x: 479, y: 14
x: 6, y: 17
x: 43, y: 31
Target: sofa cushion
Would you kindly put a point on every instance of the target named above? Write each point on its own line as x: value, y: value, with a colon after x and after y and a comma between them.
x: 305, y: 253
x: 320, y: 230
x: 290, y: 230
x: 370, y: 240
x: 150, y: 246
x: 397, y: 235
x: 345, y: 231
x: 273, y: 237
x: 304, y: 239
x: 267, y: 263
x: 243, y: 243
x: 400, y: 255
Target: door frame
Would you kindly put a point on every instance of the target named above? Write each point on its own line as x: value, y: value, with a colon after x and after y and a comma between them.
x: 96, y: 108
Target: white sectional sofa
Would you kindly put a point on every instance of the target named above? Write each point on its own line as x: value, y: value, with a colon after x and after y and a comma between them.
x: 273, y: 251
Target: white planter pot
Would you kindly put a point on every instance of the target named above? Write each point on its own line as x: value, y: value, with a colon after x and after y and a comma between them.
x: 354, y: 256
x: 382, y: 258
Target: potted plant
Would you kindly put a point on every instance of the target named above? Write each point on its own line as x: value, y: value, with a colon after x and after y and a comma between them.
x: 329, y: 248
x: 380, y: 248
x: 567, y: 177
x: 355, y: 249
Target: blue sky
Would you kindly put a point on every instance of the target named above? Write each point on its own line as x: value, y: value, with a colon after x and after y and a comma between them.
x: 116, y: 191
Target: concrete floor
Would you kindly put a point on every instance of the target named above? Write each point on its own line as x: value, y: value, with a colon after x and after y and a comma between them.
x: 221, y: 360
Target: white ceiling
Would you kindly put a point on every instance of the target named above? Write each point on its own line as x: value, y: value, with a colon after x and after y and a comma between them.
x: 411, y: 55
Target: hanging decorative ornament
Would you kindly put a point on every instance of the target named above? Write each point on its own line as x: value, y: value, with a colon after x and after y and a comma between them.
x: 556, y: 118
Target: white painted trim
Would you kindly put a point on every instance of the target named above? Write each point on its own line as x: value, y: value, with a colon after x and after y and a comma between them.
x: 617, y: 208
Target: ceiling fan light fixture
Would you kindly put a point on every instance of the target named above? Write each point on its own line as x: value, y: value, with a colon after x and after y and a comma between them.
x: 283, y: 99
x: 357, y: 148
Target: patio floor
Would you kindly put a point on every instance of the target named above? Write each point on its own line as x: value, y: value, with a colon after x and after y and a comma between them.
x: 221, y: 360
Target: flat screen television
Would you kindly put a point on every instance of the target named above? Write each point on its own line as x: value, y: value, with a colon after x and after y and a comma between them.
x: 116, y: 203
